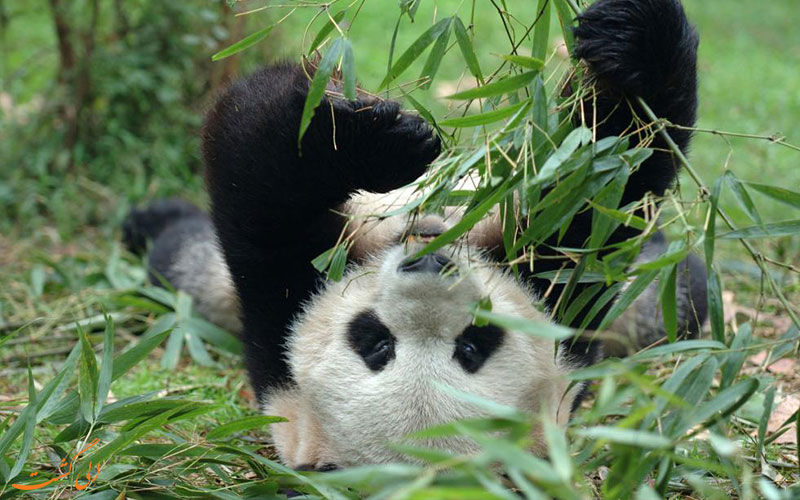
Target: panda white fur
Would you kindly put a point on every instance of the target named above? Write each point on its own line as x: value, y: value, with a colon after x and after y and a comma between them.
x: 355, y: 364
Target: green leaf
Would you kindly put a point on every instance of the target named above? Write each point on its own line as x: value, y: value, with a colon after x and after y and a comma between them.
x: 741, y: 195
x: 669, y: 303
x: 566, y: 19
x: 469, y: 219
x: 214, y: 335
x: 632, y: 437
x: 244, y: 43
x: 135, y: 407
x: 678, y: 347
x: 525, y: 61
x: 716, y: 306
x: 725, y: 403
x: 28, y: 417
x: 242, y: 424
x: 628, y: 219
x: 494, y: 408
x: 540, y: 117
x: 197, y: 350
x: 535, y: 328
x: 496, y: 88
x: 415, y: 50
x: 558, y: 449
x: 485, y: 118
x: 421, y: 109
x: 541, y: 32
x: 791, y: 198
x: 172, y: 351
x: 349, y: 71
x: 159, y: 295
x: 765, y: 415
x: 773, y: 230
x: 579, y: 136
x: 338, y: 263
x: 87, y: 387
x: 714, y: 297
x: 318, y: 84
x: 337, y: 18
x: 628, y: 296
x: 435, y: 57
x: 127, y: 437
x: 670, y: 258
x: 149, y: 341
x: 107, y: 368
x: 50, y: 396
x: 467, y: 51
x: 734, y: 361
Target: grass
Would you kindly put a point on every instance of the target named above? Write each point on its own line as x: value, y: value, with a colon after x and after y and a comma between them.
x: 63, y: 266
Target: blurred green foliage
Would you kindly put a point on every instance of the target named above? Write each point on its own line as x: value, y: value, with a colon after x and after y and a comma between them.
x: 121, y: 119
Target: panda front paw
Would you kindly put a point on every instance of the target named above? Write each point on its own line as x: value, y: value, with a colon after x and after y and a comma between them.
x: 390, y: 148
x: 635, y: 46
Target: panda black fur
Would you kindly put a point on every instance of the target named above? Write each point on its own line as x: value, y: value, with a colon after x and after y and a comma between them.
x: 351, y: 363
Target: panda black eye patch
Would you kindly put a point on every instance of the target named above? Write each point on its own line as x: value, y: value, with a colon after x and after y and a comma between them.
x: 475, y: 345
x: 371, y: 340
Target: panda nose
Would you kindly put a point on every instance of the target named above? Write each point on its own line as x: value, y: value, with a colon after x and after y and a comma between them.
x: 429, y: 263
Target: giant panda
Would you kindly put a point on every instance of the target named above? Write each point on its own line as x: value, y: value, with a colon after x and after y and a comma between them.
x: 358, y: 363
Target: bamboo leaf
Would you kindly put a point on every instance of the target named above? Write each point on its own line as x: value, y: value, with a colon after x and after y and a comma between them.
x: 28, y: 417
x: 741, y: 195
x: 467, y: 50
x: 435, y: 57
x: 318, y: 84
x: 725, y: 403
x: 467, y: 221
x: 669, y: 303
x: 541, y: 329
x: 244, y: 43
x: 714, y: 297
x: 678, y: 347
x: 628, y: 296
x: 349, y: 71
x: 734, y: 361
x: 325, y: 30
x: 496, y: 88
x: 107, y: 368
x: 632, y: 437
x: 214, y: 335
x: 172, y: 351
x: 87, y: 387
x: 558, y: 449
x: 791, y: 198
x: 566, y: 19
x: 242, y: 424
x: 197, y: 350
x: 765, y: 415
x: 415, y: 50
x: 525, y: 61
x: 773, y: 230
x: 485, y: 118
x: 541, y: 32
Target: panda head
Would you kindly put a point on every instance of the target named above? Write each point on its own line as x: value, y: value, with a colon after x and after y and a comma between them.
x: 369, y: 354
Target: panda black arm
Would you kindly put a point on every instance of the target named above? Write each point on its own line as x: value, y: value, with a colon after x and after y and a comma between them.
x: 273, y: 204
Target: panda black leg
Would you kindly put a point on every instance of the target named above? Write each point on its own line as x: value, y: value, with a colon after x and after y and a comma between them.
x: 647, y: 49
x: 632, y: 48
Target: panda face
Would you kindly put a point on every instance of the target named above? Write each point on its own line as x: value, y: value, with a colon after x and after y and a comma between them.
x: 370, y: 353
